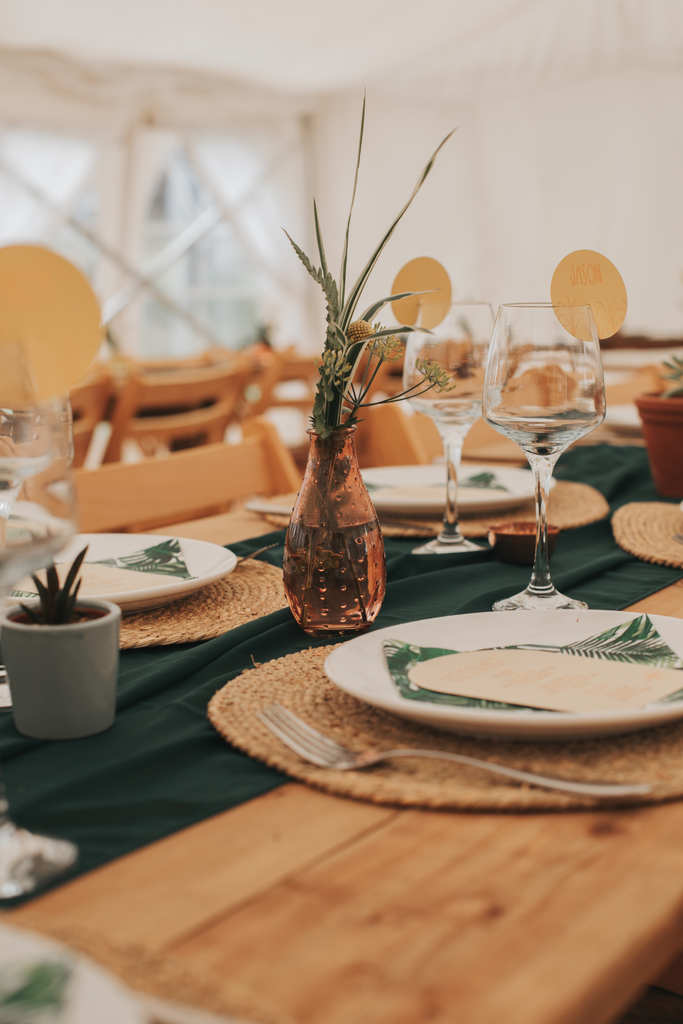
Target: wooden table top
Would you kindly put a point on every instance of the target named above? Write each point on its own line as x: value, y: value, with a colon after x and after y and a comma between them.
x: 344, y: 912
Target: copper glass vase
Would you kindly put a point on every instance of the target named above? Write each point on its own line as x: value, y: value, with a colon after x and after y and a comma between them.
x: 334, y: 567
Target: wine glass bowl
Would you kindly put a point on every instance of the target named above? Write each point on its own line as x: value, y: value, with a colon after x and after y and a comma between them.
x: 457, y: 341
x: 37, y: 504
x: 544, y: 389
x: 37, y: 518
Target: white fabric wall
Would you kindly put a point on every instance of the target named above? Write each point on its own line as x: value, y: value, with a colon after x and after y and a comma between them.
x: 528, y: 177
x: 549, y: 156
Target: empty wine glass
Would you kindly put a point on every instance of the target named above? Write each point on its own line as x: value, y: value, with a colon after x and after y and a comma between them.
x: 544, y: 388
x: 37, y: 518
x: 458, y: 342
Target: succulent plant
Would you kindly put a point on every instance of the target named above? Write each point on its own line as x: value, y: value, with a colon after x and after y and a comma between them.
x: 676, y: 373
x: 57, y: 603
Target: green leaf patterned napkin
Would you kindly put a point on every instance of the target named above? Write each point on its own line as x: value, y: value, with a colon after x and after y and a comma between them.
x: 636, y: 642
x: 163, y: 559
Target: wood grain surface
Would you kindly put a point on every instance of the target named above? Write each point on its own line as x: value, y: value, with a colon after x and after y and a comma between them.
x: 341, y: 912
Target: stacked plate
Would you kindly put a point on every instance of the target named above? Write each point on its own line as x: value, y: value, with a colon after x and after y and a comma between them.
x: 378, y: 668
x: 421, y: 490
x: 139, y: 571
x: 624, y: 419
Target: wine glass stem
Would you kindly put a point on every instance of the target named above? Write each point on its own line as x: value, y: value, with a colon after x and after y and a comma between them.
x: 542, y: 466
x: 452, y: 447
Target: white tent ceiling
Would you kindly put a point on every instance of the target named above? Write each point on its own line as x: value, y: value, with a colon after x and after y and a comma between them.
x: 299, y: 45
x: 568, y: 113
x: 439, y: 47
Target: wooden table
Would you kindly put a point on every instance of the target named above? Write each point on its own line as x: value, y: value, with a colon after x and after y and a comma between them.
x: 342, y: 912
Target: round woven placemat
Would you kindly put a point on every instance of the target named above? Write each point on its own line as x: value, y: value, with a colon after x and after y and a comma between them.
x: 569, y: 505
x: 298, y: 682
x: 158, y: 973
x: 253, y: 589
x: 646, y: 529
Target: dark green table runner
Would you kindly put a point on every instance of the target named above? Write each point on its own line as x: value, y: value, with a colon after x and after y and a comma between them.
x: 162, y: 767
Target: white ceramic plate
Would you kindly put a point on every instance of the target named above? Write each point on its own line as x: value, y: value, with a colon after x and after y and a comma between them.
x: 143, y: 571
x: 624, y: 419
x: 359, y: 667
x: 89, y: 992
x: 421, y: 490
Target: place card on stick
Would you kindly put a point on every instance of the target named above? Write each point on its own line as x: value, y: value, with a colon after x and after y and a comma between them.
x: 586, y: 278
x: 429, y: 277
x: 48, y: 308
x: 546, y: 680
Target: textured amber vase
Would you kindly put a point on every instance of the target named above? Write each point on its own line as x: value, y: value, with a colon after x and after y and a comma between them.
x: 334, y: 567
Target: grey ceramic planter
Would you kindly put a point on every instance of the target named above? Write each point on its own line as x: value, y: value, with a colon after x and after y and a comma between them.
x: 63, y: 678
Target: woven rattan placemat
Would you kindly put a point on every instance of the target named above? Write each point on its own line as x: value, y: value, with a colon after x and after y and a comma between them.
x: 646, y: 529
x: 570, y: 504
x: 158, y: 973
x: 298, y: 681
x: 253, y: 589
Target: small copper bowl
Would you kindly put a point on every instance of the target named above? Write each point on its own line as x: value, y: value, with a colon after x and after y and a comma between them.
x: 516, y: 542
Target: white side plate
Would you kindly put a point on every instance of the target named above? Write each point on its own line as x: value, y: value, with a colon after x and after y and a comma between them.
x: 624, y: 419
x: 421, y: 490
x: 90, y: 993
x: 178, y: 569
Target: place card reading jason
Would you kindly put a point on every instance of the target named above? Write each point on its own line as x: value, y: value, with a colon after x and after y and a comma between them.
x: 546, y: 680
x: 586, y: 278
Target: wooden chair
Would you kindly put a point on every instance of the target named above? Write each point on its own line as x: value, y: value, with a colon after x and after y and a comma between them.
x: 213, y: 356
x: 130, y: 497
x: 176, y: 409
x: 280, y: 368
x: 89, y: 405
x: 390, y: 437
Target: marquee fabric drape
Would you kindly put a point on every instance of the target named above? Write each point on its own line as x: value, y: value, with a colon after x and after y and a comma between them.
x: 569, y: 133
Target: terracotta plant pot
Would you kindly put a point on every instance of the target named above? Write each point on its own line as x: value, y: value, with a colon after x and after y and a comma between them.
x: 663, y: 431
x: 516, y: 542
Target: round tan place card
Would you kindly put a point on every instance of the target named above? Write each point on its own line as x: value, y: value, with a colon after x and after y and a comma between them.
x: 585, y: 278
x: 421, y: 275
x: 49, y: 309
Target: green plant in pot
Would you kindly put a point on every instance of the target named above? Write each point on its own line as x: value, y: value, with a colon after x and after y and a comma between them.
x: 334, y: 565
x: 62, y: 659
x: 662, y: 417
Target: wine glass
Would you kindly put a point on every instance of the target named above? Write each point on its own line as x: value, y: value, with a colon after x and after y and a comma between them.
x: 458, y: 342
x: 37, y: 518
x: 544, y: 389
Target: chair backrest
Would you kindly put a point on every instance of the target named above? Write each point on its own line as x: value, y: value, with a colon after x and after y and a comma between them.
x: 164, y: 434
x: 390, y: 437
x: 128, y: 497
x: 171, y: 394
x: 213, y: 356
x: 272, y: 369
x: 89, y: 405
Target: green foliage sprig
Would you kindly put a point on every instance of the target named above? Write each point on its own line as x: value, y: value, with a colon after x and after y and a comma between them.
x: 676, y: 373
x: 57, y: 603
x: 338, y: 400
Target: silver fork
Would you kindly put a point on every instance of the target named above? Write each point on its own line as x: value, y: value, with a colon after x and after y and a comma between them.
x: 678, y: 537
x: 312, y: 746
